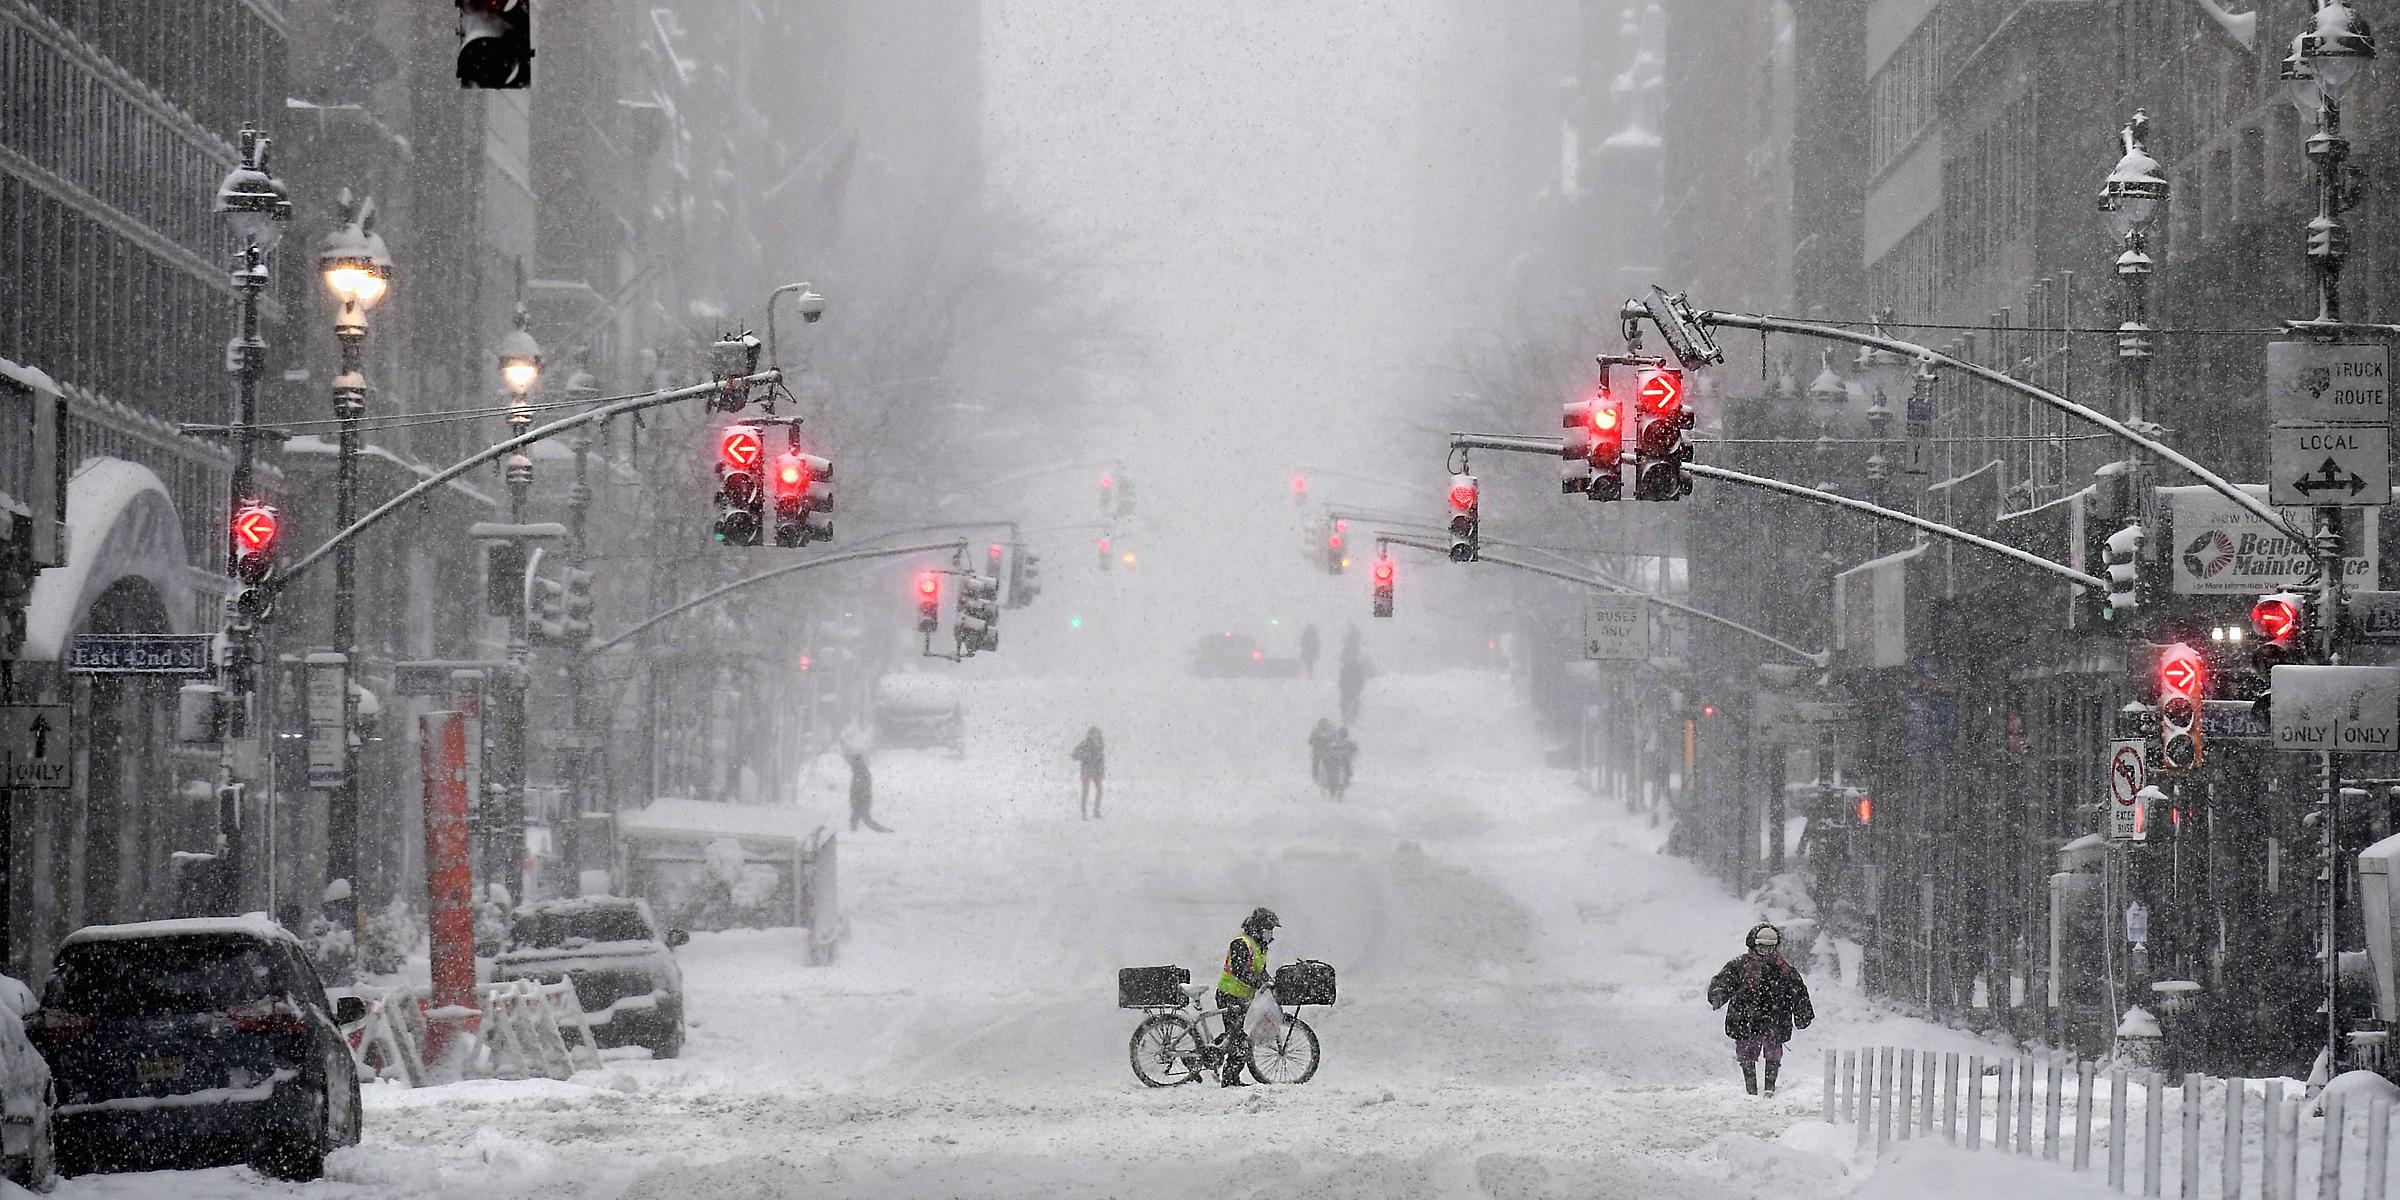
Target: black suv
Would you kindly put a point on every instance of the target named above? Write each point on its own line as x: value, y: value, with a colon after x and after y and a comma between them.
x: 194, y: 1043
x: 614, y: 952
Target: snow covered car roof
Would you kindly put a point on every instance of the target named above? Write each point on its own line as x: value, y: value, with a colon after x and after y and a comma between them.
x: 257, y: 925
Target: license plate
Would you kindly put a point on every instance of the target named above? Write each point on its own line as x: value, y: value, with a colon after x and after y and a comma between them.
x: 158, y: 1070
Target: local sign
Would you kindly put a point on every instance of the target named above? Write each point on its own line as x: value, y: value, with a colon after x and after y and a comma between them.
x: 2329, y: 465
x: 2349, y: 709
x: 34, y: 747
x: 1616, y: 628
x: 142, y: 654
x: 2127, y: 774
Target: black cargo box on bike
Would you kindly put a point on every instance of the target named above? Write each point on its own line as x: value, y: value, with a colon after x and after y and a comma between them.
x: 1151, y: 987
x: 1305, y: 982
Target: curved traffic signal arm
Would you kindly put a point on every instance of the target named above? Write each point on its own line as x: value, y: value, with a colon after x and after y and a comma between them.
x: 604, y: 411
x: 762, y: 577
x: 2214, y: 482
x: 1816, y: 658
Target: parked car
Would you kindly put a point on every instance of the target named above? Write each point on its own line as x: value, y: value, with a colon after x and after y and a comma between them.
x: 193, y: 1043
x: 621, y: 962
x: 25, y: 1094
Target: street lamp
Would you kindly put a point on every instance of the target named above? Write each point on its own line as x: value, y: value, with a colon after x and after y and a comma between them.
x: 358, y: 271
x: 520, y: 357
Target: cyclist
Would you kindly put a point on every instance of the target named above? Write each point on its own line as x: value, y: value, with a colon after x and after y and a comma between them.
x: 1245, y: 973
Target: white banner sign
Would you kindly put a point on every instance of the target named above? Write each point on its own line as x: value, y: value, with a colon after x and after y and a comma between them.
x: 2220, y: 549
x: 1616, y: 628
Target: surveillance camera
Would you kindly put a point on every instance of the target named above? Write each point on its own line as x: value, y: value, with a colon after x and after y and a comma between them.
x: 812, y: 307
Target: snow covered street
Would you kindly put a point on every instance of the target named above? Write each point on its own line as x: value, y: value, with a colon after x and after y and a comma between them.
x: 1521, y: 978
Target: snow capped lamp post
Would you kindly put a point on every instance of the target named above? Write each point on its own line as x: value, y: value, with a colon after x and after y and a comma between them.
x: 2131, y: 200
x: 520, y: 361
x: 1884, y: 374
x: 256, y: 207
x: 358, y: 271
x: 2326, y: 62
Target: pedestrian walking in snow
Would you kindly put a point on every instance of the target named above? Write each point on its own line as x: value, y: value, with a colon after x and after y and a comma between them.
x: 1352, y: 680
x: 1308, y: 651
x: 1094, y: 758
x: 862, y: 790
x: 1764, y: 1000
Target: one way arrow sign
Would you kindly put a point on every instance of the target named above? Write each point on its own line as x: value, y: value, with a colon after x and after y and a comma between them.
x: 2329, y: 464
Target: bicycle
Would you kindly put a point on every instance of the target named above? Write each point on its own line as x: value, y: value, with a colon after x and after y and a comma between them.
x: 1171, y: 1048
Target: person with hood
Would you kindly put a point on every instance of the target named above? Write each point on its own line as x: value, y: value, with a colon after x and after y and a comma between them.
x: 862, y: 788
x: 1094, y: 758
x: 1764, y: 1000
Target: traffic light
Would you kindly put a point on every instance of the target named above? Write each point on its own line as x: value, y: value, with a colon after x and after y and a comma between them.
x: 495, y: 43
x: 546, y: 616
x: 255, y: 531
x: 978, y: 626
x: 1466, y: 519
x: 2182, y: 688
x: 929, y: 601
x: 2280, y: 619
x: 803, y: 487
x: 1108, y: 495
x: 1024, y: 577
x: 1660, y: 417
x: 503, y: 578
x: 1104, y: 559
x: 1383, y: 585
x: 1299, y: 489
x: 1337, y: 553
x: 1594, y: 446
x: 741, y: 494
x: 1125, y: 496
x: 578, y: 617
x: 2121, y: 553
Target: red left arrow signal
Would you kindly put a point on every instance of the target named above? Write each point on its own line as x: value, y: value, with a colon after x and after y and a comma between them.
x: 255, y: 528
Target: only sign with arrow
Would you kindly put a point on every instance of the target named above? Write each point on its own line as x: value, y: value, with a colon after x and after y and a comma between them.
x: 34, y: 746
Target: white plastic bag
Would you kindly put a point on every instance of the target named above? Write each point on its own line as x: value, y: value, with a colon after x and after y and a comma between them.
x: 1264, y: 1021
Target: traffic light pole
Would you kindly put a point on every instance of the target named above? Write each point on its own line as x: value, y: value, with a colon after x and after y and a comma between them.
x: 246, y: 359
x: 1549, y: 446
x: 1812, y: 657
x: 597, y: 648
x: 575, y: 757
x: 341, y: 809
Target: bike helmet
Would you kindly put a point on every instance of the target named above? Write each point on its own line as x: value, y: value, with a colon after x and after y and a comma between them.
x: 1260, y: 921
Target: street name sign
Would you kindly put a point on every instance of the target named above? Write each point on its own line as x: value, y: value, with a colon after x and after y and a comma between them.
x: 1616, y: 628
x: 431, y: 677
x: 2127, y: 775
x: 34, y: 747
x: 1920, y: 436
x: 2325, y: 383
x: 2374, y: 616
x: 143, y: 654
x: 2349, y: 709
x: 2347, y: 465
x: 2231, y: 721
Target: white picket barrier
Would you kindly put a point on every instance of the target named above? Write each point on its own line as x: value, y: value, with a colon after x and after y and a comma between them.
x: 526, y: 1029
x: 2167, y: 1150
x: 388, y: 1042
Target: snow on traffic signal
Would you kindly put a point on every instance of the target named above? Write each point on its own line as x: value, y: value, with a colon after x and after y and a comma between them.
x: 495, y: 43
x: 256, y: 530
x: 1660, y: 417
x: 978, y: 625
x: 2182, y: 689
x: 1337, y: 547
x: 741, y: 488
x: 803, y: 487
x: 1383, y: 585
x: 1594, y: 447
x: 1466, y: 519
x: 929, y: 601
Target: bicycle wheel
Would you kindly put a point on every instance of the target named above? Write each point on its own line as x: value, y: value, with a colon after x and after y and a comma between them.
x: 1291, y: 1058
x: 1165, y: 1051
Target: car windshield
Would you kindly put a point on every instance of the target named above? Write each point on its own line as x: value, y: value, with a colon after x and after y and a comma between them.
x: 549, y: 930
x: 151, y: 977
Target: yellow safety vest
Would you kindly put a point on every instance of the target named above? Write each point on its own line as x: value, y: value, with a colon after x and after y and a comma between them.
x: 1231, y: 984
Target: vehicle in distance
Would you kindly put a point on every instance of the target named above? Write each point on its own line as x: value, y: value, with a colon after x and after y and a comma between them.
x: 1230, y: 655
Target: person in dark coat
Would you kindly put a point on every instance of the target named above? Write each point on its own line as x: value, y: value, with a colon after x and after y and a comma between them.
x: 1764, y: 1000
x: 862, y: 790
x: 1093, y: 755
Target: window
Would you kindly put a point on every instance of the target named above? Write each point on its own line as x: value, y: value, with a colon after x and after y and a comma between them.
x: 1900, y: 97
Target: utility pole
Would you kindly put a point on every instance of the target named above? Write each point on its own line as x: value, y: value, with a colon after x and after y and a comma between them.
x: 254, y: 203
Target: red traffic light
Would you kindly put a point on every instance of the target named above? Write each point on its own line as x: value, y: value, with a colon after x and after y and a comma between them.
x: 2182, y: 671
x: 995, y: 552
x: 1383, y: 570
x: 2275, y: 618
x: 1103, y: 545
x: 1462, y: 495
x: 1866, y: 810
x: 255, y: 529
x: 1604, y: 418
x: 1662, y: 391
x: 1299, y: 485
x: 740, y: 447
x: 929, y: 584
